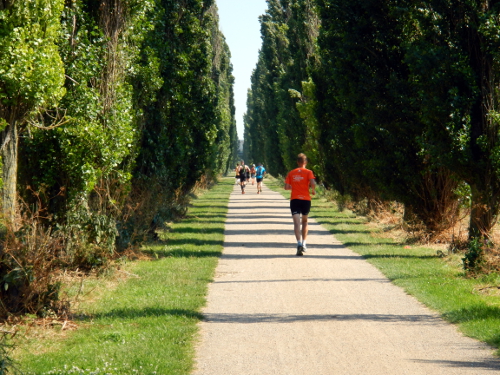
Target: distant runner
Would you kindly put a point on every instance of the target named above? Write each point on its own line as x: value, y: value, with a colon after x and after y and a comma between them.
x: 260, y: 171
x: 243, y: 171
x: 252, y: 173
x: 299, y: 181
x: 237, y: 176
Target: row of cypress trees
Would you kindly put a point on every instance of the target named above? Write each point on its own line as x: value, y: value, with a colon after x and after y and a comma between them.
x: 392, y: 100
x: 111, y: 112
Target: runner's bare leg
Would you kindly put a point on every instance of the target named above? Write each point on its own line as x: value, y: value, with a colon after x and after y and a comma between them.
x: 296, y: 226
x: 305, y: 228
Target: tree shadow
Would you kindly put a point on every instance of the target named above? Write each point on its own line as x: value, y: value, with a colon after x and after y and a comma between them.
x: 487, y: 364
x: 341, y: 231
x: 280, y: 245
x: 203, y: 218
x: 274, y: 232
x: 203, y: 230
x: 403, y: 256
x: 379, y: 280
x: 260, y: 216
x: 134, y: 313
x: 243, y: 207
x: 208, y: 205
x: 290, y: 255
x: 257, y: 222
x: 319, y: 215
x: 473, y: 313
x: 291, y: 318
x: 178, y: 253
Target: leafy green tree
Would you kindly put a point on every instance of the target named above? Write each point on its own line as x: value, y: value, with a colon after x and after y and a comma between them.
x: 31, y: 77
x: 275, y: 131
x: 225, y: 145
x: 302, y: 27
x: 453, y: 54
x: 369, y: 124
x: 307, y: 107
x: 188, y: 120
x: 81, y: 170
x: 272, y: 58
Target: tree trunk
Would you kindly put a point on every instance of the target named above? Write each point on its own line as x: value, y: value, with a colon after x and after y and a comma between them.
x: 484, y: 139
x: 9, y: 157
x: 484, y: 211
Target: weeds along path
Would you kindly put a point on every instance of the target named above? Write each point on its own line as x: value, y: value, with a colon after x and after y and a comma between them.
x: 328, y: 312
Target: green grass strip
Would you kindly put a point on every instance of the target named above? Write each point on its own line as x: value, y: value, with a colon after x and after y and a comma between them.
x: 147, y: 324
x: 439, y: 283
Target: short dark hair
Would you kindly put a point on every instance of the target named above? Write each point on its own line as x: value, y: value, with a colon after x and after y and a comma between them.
x: 301, y: 158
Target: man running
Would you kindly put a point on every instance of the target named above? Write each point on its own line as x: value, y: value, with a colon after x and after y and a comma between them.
x: 243, y: 175
x: 299, y: 181
x: 260, y: 171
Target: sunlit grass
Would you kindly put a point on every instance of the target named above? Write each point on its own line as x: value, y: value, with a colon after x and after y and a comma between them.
x: 148, y: 323
x: 439, y: 283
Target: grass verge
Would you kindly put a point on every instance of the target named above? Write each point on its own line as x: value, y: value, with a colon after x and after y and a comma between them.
x: 146, y: 324
x: 473, y: 304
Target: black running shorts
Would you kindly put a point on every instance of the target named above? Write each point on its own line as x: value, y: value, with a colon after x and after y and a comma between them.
x: 259, y: 179
x: 299, y: 206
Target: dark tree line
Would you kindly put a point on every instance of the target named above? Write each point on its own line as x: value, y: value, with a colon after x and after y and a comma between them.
x: 111, y: 113
x: 394, y: 100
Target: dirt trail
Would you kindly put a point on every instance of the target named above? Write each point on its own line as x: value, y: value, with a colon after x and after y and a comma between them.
x: 328, y: 312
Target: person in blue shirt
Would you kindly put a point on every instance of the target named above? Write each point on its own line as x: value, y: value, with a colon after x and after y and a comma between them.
x: 260, y: 171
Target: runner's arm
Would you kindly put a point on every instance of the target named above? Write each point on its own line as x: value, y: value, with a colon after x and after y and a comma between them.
x: 312, y: 184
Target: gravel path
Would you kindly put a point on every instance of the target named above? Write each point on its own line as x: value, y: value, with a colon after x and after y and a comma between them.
x: 328, y: 312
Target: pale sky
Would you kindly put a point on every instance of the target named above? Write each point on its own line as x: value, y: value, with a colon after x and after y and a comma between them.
x: 239, y: 22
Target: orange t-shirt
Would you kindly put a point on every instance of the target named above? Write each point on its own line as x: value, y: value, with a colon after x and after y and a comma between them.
x: 299, y: 179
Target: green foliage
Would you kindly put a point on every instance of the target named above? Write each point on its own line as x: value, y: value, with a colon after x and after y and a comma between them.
x: 274, y: 130
x: 145, y: 96
x: 401, y: 111
x: 78, y: 165
x: 31, y: 73
x: 307, y: 107
x: 188, y: 124
x: 404, y: 106
x: 130, y: 106
x: 31, y: 79
x: 453, y: 54
x: 367, y: 124
x: 473, y: 257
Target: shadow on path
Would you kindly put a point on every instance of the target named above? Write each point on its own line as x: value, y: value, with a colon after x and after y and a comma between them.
x: 279, y: 245
x: 487, y: 364
x: 301, y: 280
x: 272, y: 232
x: 291, y: 254
x: 290, y: 318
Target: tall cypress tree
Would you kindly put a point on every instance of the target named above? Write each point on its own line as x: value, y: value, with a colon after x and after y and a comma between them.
x: 370, y: 125
x: 453, y: 53
x: 289, y: 30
